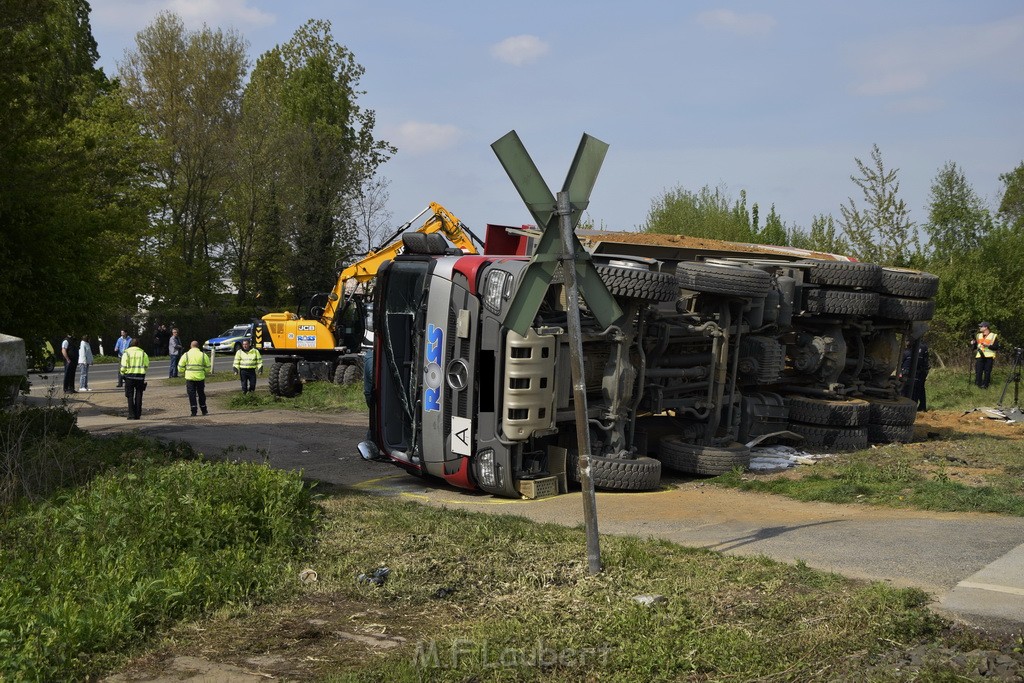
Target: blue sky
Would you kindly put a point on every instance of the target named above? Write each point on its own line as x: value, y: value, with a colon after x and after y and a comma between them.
x: 775, y: 98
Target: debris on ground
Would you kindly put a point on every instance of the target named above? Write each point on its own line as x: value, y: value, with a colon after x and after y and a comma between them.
x: 377, y: 577
x: 781, y: 457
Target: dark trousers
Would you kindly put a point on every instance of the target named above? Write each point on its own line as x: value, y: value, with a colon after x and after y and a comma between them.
x: 134, y: 385
x: 983, y: 371
x: 196, y: 390
x: 172, y: 369
x: 248, y: 377
x: 69, y: 376
x: 120, y: 377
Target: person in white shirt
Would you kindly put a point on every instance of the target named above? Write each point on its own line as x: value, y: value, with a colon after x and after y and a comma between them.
x: 85, y: 359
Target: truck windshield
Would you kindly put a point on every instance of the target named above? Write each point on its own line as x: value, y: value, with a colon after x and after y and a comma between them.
x: 397, y: 319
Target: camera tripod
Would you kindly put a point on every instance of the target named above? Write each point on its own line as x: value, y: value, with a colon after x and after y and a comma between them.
x: 1014, y: 376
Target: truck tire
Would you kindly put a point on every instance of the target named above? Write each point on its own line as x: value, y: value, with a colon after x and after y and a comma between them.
x: 633, y: 283
x: 750, y: 283
x: 915, y: 284
x: 833, y: 413
x: 843, y: 273
x: 49, y: 364
x: 841, y: 302
x: 339, y: 374
x: 352, y: 374
x: 879, y: 433
x: 620, y: 474
x: 831, y: 439
x: 900, y: 411
x: 682, y: 456
x: 284, y: 380
x: 907, y: 310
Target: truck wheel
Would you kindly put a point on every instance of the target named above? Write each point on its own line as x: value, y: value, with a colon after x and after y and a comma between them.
x: 633, y: 283
x: 339, y: 374
x: 682, y: 456
x: 843, y: 273
x: 900, y: 411
x: 619, y: 474
x: 823, y: 438
x: 907, y: 310
x: 879, y: 433
x: 834, y: 413
x: 841, y: 302
x: 750, y: 283
x: 352, y: 375
x: 915, y: 284
x: 49, y: 365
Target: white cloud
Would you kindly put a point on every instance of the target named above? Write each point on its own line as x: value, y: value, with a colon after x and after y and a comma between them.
x: 520, y: 50
x: 418, y: 137
x: 741, y: 24
x: 915, y: 60
x: 137, y: 14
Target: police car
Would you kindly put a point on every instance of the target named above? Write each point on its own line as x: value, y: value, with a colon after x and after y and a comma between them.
x: 229, y: 340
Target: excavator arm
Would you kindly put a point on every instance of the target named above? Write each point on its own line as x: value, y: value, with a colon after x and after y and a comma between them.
x: 365, y: 269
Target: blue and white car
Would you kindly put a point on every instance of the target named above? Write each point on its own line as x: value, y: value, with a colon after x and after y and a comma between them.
x: 229, y: 341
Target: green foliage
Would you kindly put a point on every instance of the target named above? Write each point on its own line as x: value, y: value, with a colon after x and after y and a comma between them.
x: 957, y: 218
x: 709, y: 213
x: 881, y: 231
x: 61, y: 194
x: 42, y: 450
x: 822, y: 237
x: 102, y: 567
x: 187, y: 88
x: 304, y: 95
x: 1011, y: 206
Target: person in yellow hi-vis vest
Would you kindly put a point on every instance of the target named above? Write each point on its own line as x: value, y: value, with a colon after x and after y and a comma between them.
x: 247, y: 362
x: 985, y: 345
x: 196, y: 365
x: 134, y: 365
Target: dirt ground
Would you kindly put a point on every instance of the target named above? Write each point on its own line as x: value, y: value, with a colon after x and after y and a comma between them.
x: 297, y: 641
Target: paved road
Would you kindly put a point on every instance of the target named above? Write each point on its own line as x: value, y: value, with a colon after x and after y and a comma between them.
x: 972, y: 563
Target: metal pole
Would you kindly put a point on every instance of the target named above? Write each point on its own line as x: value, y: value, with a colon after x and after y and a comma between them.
x: 579, y: 387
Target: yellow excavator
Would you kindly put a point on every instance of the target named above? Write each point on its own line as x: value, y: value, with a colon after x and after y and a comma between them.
x: 326, y: 345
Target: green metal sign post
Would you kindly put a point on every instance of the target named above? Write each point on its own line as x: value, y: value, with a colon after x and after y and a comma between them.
x: 559, y: 247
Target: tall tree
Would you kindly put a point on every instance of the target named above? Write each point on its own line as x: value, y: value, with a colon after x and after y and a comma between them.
x: 332, y: 151
x: 62, y: 126
x: 188, y: 86
x: 957, y: 219
x: 881, y: 231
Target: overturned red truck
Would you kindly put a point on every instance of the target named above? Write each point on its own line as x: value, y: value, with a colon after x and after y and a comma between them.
x: 720, y: 345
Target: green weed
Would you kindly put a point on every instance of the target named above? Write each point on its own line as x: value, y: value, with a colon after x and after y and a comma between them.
x: 101, y: 568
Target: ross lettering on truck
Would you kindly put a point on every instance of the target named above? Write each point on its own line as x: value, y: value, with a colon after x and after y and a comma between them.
x: 432, y: 369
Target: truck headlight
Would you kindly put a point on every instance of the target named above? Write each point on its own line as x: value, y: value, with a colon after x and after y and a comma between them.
x: 497, y: 286
x: 485, y: 468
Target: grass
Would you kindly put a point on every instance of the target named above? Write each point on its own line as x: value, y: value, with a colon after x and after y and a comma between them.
x: 474, y: 597
x: 151, y: 556
x: 957, y: 473
x: 102, y: 567
x: 953, y: 388
x: 316, y: 397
